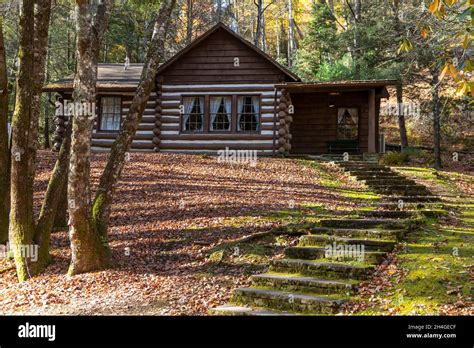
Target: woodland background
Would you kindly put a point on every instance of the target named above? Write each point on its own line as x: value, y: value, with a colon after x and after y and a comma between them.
x: 317, y: 39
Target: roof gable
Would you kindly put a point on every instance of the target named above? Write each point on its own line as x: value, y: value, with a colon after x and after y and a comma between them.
x: 223, y: 31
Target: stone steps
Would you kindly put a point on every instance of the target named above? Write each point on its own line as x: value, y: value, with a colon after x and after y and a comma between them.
x: 369, y: 244
x: 364, y: 223
x: 365, y: 233
x: 321, y: 273
x: 294, y: 282
x: 310, y: 252
x: 390, y: 214
x: 412, y: 198
x: 287, y: 301
x: 330, y: 270
x: 236, y: 310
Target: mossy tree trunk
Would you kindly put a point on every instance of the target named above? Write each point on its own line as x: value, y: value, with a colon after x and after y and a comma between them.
x: 51, y: 203
x: 108, y: 181
x: 21, y: 214
x: 88, y: 252
x: 33, y: 36
x: 4, y: 146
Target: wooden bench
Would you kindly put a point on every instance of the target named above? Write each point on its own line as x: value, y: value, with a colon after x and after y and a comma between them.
x: 341, y: 146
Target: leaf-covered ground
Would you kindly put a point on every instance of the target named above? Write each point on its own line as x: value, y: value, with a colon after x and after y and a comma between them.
x: 171, y: 214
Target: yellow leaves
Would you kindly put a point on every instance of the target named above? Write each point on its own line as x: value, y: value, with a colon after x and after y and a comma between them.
x: 405, y: 46
x: 437, y: 8
x: 465, y: 42
x: 434, y: 6
x: 464, y: 88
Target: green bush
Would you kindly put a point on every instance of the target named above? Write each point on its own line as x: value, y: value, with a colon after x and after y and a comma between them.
x: 395, y: 158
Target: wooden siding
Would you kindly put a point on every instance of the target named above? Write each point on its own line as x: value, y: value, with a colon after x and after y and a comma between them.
x: 315, y: 123
x: 102, y: 141
x: 212, y: 61
x: 172, y: 139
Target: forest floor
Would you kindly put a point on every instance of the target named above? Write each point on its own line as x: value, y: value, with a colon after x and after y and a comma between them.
x: 180, y: 238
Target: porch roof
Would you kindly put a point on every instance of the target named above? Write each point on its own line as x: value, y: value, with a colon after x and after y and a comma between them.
x: 328, y: 86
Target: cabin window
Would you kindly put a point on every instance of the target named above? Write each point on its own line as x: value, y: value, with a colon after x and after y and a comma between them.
x: 347, y: 124
x: 220, y: 114
x: 193, y: 117
x: 110, y: 113
x: 248, y: 114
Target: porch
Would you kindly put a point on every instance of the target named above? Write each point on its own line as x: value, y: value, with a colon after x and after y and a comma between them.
x: 335, y: 117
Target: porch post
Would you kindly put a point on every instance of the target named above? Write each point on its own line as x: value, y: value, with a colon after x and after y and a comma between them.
x: 371, y: 145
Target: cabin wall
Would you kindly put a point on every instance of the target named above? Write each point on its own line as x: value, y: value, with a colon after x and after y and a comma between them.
x: 315, y: 123
x: 102, y: 141
x: 213, y: 61
x: 142, y: 141
x: 172, y: 139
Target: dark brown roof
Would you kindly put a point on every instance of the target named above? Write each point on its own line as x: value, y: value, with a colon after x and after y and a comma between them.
x: 110, y: 76
x: 336, y: 85
x: 221, y: 26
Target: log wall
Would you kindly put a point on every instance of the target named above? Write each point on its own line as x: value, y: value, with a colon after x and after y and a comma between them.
x: 173, y: 140
x: 315, y: 123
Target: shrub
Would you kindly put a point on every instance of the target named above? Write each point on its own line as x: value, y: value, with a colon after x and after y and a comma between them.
x: 395, y: 158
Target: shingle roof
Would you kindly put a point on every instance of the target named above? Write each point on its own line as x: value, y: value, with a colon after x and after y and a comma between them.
x: 110, y: 76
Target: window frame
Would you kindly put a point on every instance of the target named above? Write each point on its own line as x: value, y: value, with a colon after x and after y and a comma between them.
x: 231, y: 130
x: 357, y: 107
x: 181, y: 115
x: 259, y: 123
x: 207, y: 114
x: 99, y: 119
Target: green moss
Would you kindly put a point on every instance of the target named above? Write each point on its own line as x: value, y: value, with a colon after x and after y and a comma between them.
x: 437, y: 260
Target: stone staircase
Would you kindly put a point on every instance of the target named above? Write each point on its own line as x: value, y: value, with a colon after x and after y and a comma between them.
x: 323, y: 271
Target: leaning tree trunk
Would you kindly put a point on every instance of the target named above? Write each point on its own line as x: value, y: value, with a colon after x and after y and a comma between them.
x: 88, y: 253
x: 401, y: 117
x: 110, y: 176
x: 4, y: 146
x: 21, y: 214
x: 51, y: 204
x: 436, y: 118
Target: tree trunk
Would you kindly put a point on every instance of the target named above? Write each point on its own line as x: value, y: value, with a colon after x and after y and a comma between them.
x: 189, y: 19
x: 436, y: 118
x: 4, y: 145
x: 401, y: 117
x: 110, y: 176
x: 291, y: 33
x: 258, y: 29
x: 60, y: 220
x: 88, y: 253
x: 399, y: 30
x: 50, y: 206
x: 356, y: 48
x: 21, y: 213
x: 33, y: 45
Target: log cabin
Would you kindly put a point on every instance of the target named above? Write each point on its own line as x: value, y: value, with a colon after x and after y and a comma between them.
x: 222, y: 92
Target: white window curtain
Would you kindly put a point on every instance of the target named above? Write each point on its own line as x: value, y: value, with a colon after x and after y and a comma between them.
x: 352, y: 111
x: 256, y: 106
x: 228, y: 109
x: 215, y: 104
x: 111, y: 113
x: 240, y: 110
x: 188, y: 103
